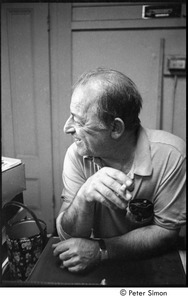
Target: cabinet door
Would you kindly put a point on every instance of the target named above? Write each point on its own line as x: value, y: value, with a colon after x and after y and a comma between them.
x: 26, y: 121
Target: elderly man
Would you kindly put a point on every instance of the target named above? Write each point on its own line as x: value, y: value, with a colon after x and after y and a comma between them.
x: 124, y: 185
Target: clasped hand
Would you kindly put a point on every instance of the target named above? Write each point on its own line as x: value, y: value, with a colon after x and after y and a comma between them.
x: 111, y: 188
x: 77, y: 254
x: 108, y: 186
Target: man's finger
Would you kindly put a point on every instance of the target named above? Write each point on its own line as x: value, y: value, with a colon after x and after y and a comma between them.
x: 117, y: 175
x: 110, y: 198
x: 76, y: 269
x: 55, y: 245
x: 60, y: 247
x: 66, y: 255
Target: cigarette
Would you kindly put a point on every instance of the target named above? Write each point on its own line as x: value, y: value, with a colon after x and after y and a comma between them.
x: 123, y: 188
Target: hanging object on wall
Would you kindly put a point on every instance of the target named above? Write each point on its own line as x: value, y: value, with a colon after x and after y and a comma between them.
x: 161, y: 11
x: 175, y: 65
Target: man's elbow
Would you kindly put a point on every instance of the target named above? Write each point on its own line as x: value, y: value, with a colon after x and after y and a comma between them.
x: 169, y: 239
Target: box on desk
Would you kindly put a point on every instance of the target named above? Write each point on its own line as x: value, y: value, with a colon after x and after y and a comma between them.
x: 13, y: 178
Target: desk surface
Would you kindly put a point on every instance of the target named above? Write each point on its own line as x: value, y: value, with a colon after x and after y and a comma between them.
x: 165, y: 270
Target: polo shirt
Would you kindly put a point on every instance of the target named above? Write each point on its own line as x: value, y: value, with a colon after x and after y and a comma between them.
x: 159, y: 175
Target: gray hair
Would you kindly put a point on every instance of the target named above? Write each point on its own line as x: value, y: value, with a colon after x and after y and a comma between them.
x: 119, y: 96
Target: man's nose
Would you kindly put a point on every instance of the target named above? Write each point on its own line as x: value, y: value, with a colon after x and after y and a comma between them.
x: 68, y: 127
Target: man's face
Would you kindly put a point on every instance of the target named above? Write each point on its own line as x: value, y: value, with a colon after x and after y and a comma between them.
x: 91, y: 136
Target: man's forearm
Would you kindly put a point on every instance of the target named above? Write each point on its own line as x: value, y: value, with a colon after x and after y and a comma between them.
x: 141, y: 243
x: 77, y: 220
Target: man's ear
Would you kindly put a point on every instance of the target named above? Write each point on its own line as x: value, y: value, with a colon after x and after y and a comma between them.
x: 118, y: 128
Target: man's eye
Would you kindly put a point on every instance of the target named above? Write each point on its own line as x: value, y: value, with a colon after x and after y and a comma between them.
x: 78, y: 123
x: 75, y: 121
x: 72, y: 117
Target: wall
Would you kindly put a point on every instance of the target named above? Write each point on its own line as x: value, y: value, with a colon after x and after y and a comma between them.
x: 83, y: 36
x: 87, y: 35
x: 116, y: 36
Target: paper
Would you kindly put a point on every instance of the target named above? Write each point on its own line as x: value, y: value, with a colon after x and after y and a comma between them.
x: 8, y: 163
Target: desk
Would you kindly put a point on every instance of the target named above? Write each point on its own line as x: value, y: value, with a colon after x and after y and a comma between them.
x: 165, y: 270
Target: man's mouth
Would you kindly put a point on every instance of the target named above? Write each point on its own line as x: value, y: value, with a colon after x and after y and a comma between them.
x: 77, y: 140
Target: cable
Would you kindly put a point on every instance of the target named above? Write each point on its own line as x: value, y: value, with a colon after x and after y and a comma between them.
x: 173, y: 101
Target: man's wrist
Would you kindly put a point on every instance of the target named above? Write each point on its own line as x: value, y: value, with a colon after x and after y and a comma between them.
x: 61, y: 233
x: 82, y: 204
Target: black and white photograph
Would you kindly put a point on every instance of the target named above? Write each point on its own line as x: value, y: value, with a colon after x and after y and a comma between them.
x: 93, y: 148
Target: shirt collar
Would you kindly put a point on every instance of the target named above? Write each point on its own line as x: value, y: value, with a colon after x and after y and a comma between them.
x: 95, y: 160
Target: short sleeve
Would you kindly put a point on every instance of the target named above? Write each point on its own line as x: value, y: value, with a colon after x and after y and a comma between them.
x: 73, y: 176
x: 170, y: 200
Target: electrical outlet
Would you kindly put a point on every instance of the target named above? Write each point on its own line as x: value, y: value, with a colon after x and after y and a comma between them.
x: 175, y: 65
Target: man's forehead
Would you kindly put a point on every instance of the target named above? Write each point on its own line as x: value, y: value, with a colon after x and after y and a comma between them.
x: 86, y: 96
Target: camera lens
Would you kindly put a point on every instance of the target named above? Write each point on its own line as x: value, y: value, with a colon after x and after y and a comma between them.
x: 142, y: 209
